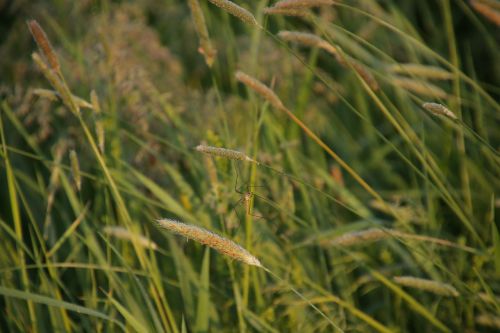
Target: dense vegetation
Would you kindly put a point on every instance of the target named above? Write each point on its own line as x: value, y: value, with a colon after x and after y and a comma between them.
x: 366, y: 182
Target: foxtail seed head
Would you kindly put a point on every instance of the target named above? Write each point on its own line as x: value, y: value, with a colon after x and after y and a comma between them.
x: 237, y: 11
x: 226, y: 153
x: 260, y: 88
x: 432, y: 286
x: 439, y: 109
x: 44, y: 45
x: 300, y: 4
x: 203, y: 236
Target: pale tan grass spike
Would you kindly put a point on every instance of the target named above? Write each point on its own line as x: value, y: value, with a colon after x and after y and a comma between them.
x: 432, y: 286
x: 439, y: 109
x: 206, y: 47
x: 122, y: 233
x: 237, y: 11
x: 260, y: 88
x: 203, y: 236
x: 285, y: 12
x: 299, y: 4
x: 224, y: 152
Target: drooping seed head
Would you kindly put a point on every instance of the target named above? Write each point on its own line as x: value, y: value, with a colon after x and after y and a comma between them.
x: 203, y: 236
x: 237, y: 11
x: 224, y: 152
x: 259, y: 88
x: 426, y: 71
x: 432, y: 286
x: 420, y: 87
x: 300, y: 4
x: 285, y: 11
x: 439, y: 109
x: 206, y: 47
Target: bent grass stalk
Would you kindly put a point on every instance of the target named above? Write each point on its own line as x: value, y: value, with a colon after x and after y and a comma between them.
x: 230, y: 249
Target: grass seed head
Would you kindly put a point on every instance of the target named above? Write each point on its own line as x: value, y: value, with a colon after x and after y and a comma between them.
x: 206, y: 47
x: 432, y: 286
x: 44, y: 45
x: 75, y: 169
x: 224, y: 152
x: 439, y: 109
x: 237, y: 11
x: 259, y: 88
x: 122, y: 233
x: 300, y: 4
x: 205, y: 237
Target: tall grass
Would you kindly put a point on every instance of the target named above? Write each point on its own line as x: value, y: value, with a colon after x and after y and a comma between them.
x: 370, y: 198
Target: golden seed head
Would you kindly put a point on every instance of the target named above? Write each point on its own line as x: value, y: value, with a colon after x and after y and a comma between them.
x: 300, y: 4
x: 237, y: 11
x: 224, y: 152
x: 203, y: 236
x: 432, y: 286
x: 439, y: 109
x: 44, y: 45
x: 259, y: 88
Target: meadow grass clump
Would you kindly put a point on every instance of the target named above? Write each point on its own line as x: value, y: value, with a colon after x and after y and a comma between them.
x: 372, y: 217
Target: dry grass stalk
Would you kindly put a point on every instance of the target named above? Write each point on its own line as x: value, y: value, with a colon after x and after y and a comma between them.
x: 75, y: 169
x: 430, y: 72
x: 432, y: 286
x: 439, y: 109
x: 44, y: 45
x: 99, y: 125
x: 419, y: 87
x: 206, y: 47
x: 260, y: 88
x: 488, y: 320
x: 122, y: 233
x: 203, y: 236
x: 285, y: 12
x: 312, y: 40
x: 226, y: 153
x: 237, y: 11
x: 486, y: 8
x: 300, y: 4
